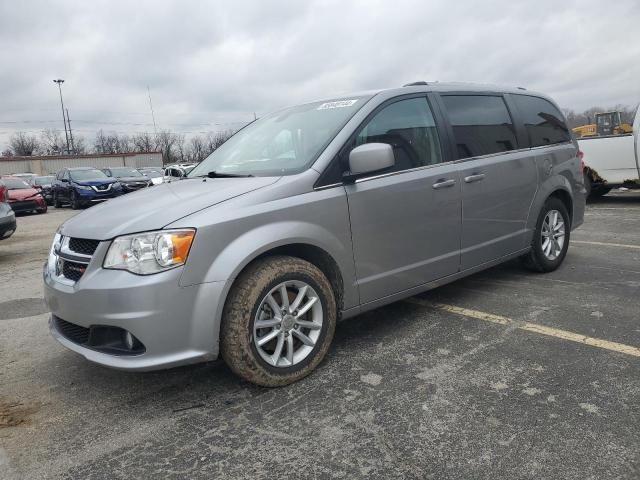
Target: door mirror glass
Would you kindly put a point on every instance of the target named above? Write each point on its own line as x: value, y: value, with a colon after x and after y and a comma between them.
x: 371, y: 157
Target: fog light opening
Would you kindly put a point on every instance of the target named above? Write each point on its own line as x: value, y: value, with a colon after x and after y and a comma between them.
x: 128, y: 340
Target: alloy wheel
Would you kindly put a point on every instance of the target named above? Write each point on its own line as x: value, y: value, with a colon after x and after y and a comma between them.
x: 553, y: 232
x: 288, y: 323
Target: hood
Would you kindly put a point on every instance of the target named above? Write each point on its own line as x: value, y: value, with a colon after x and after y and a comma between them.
x: 97, y: 181
x: 154, y: 208
x: 22, y: 194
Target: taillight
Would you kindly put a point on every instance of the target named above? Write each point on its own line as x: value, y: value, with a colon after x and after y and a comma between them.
x: 4, y: 194
x: 581, y: 157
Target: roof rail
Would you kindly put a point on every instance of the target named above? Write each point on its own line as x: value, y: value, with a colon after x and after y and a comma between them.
x: 414, y: 84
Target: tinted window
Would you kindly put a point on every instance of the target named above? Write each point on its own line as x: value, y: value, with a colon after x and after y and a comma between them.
x: 408, y: 126
x: 43, y: 180
x: 15, y: 183
x: 124, y: 172
x: 84, y: 175
x: 481, y: 124
x: 544, y: 122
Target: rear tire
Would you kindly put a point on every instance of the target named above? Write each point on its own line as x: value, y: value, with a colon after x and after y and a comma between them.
x: 596, y: 191
x: 249, y: 304
x: 548, y: 248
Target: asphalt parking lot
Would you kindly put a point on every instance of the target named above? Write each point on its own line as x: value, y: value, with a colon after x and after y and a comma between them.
x: 504, y: 374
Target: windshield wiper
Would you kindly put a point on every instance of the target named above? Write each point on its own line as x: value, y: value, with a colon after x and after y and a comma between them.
x: 214, y: 174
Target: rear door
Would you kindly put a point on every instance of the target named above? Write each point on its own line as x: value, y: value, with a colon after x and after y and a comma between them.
x: 498, y: 177
x: 405, y: 222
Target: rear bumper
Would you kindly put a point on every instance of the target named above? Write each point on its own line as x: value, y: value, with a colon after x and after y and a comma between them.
x: 176, y: 325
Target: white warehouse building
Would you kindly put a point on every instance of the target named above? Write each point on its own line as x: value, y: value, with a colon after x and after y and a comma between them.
x: 50, y: 164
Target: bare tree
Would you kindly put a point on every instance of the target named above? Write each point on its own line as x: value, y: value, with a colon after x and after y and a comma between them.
x: 214, y: 139
x: 165, y: 142
x: 23, y: 144
x: 79, y: 144
x: 196, y: 149
x: 51, y: 141
x: 7, y: 153
x: 181, y: 148
x: 143, y: 142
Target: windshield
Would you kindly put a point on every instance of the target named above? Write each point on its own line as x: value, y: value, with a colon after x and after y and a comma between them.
x: 43, y: 180
x: 15, y: 183
x: 283, y: 142
x: 84, y: 175
x: 125, y: 172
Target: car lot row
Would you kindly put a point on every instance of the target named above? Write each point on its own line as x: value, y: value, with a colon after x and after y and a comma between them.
x: 75, y: 187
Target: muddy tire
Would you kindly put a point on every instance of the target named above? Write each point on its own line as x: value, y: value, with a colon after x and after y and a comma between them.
x: 544, y: 257
x: 255, y: 300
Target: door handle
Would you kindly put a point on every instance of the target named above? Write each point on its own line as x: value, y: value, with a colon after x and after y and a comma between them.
x: 442, y: 183
x: 474, y: 178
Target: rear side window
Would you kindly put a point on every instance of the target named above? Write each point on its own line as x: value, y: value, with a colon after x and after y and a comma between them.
x: 408, y: 126
x: 544, y: 122
x: 481, y: 124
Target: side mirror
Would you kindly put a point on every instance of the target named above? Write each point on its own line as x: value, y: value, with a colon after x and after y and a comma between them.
x: 64, y: 180
x: 370, y: 157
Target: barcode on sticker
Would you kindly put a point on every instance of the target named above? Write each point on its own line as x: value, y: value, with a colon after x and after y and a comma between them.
x: 338, y: 104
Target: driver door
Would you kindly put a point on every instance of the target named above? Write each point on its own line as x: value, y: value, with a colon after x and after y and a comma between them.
x: 405, y: 222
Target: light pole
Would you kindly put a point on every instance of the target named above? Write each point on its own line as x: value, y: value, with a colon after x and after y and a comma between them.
x: 60, y: 81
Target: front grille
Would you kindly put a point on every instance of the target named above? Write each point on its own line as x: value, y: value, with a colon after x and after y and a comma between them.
x: 71, y: 331
x: 83, y: 246
x: 73, y: 270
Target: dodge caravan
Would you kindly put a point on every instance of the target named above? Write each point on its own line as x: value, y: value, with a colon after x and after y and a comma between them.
x: 311, y: 214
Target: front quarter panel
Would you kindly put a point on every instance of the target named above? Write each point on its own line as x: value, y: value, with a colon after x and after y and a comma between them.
x: 229, y: 236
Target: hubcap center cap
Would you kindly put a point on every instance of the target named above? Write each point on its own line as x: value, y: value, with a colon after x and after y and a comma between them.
x: 288, y: 322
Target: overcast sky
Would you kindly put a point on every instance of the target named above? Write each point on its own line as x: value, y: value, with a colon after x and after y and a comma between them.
x: 212, y: 64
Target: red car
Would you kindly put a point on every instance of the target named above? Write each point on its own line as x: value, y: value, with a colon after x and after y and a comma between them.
x: 23, y: 197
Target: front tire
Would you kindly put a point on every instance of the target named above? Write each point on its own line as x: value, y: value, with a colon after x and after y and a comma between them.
x: 75, y: 201
x: 278, y: 321
x: 550, y: 238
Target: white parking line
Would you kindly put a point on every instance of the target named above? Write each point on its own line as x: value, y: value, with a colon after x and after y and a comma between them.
x: 530, y: 327
x: 606, y: 244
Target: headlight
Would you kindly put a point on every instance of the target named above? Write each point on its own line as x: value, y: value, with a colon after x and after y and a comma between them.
x: 83, y: 187
x: 150, y: 252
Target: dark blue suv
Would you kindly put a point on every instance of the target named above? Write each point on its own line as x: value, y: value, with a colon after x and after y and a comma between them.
x: 83, y: 186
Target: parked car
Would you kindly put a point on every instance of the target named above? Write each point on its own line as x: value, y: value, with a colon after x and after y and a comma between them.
x: 178, y: 170
x: 83, y: 186
x: 7, y: 216
x: 23, y: 197
x: 612, y: 161
x: 44, y: 184
x: 312, y: 213
x: 155, y: 174
x: 130, y: 178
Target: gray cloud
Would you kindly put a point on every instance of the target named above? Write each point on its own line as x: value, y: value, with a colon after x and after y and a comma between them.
x: 209, y: 64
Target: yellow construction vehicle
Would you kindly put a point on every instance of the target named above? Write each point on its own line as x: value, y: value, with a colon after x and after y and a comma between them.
x: 607, y: 123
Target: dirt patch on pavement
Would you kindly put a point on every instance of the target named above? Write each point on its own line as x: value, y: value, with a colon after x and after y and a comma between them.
x: 14, y: 413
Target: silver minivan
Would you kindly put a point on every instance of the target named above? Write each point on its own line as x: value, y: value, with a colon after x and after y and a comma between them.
x: 312, y: 214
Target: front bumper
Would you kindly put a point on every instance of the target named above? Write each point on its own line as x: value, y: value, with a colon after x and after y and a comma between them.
x: 7, y: 225
x: 20, y: 206
x: 177, y: 325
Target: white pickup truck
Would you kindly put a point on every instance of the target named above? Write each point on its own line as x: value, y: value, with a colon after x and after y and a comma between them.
x: 611, y: 161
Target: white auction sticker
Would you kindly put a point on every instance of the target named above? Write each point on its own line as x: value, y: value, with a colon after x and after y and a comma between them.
x: 338, y: 104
